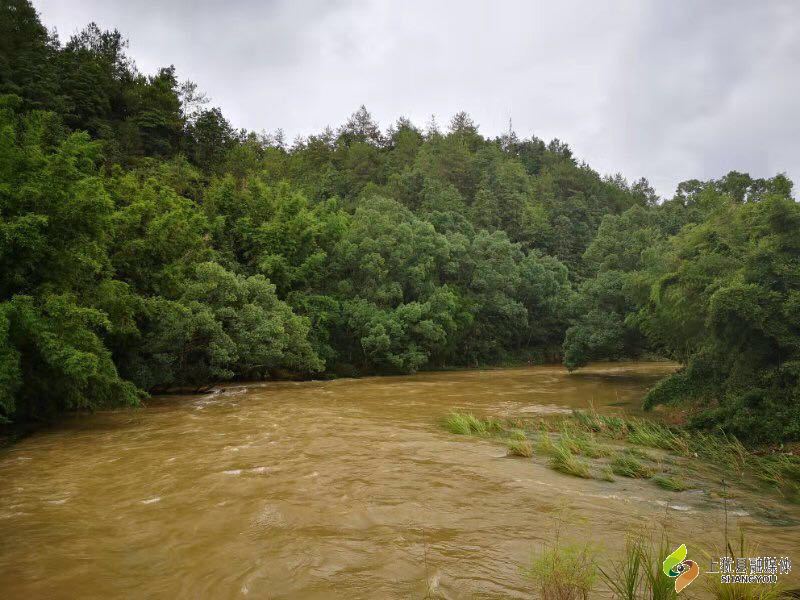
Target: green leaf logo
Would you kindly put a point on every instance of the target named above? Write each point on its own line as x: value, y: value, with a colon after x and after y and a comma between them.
x: 673, y: 560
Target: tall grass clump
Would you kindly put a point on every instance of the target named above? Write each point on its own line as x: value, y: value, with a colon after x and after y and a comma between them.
x: 563, y: 572
x: 656, y: 585
x: 517, y: 434
x: 607, y: 424
x: 587, y: 420
x: 605, y: 473
x: 615, y: 425
x: 493, y: 425
x: 781, y: 471
x: 545, y: 444
x: 638, y: 575
x: 626, y: 577
x: 638, y: 453
x: 522, y: 448
x: 626, y: 465
x: 564, y: 461
x: 721, y: 449
x: 580, y: 442
x: 464, y: 424
x: 656, y: 435
x: 668, y: 482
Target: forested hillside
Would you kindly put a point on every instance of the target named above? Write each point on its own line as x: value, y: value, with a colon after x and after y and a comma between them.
x: 146, y: 244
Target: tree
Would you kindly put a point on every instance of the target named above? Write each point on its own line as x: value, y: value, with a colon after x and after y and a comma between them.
x: 209, y: 139
x: 727, y: 307
x: 361, y: 127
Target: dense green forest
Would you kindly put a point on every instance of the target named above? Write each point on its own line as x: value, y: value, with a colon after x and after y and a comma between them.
x: 146, y: 245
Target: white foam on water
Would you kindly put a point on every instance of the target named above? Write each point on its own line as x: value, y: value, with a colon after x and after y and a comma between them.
x: 233, y: 472
x: 151, y: 500
x: 680, y: 507
x: 270, y: 516
x: 234, y: 391
x: 11, y: 515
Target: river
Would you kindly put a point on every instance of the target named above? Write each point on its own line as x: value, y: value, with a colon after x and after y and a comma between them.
x: 334, y: 489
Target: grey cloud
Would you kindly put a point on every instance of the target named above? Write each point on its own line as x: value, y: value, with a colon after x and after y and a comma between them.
x: 667, y: 90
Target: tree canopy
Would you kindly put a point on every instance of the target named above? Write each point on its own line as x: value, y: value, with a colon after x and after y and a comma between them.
x: 146, y: 244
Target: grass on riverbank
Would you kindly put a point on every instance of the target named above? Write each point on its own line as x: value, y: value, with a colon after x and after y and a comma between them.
x: 617, y: 446
x: 626, y: 465
x: 673, y: 484
x: 778, y: 470
x: 469, y: 424
x: 563, y: 572
x: 518, y: 447
x: 578, y: 571
x: 638, y: 573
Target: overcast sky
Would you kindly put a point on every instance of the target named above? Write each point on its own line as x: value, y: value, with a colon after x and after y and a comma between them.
x: 668, y: 90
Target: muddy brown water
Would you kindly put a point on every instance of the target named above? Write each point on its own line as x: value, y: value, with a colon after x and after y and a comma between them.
x: 337, y: 489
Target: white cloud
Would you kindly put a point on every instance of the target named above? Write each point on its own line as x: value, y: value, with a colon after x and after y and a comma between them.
x: 667, y: 90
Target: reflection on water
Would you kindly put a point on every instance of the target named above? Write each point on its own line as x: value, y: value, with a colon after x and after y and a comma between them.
x: 339, y: 489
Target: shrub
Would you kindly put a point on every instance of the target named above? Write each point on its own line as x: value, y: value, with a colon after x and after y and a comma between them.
x: 564, y: 572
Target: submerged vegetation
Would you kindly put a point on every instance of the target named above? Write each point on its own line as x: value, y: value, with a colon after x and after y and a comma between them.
x: 146, y: 244
x: 673, y: 484
x: 522, y: 448
x: 587, y: 444
x: 564, y: 461
x: 469, y: 424
x: 626, y: 465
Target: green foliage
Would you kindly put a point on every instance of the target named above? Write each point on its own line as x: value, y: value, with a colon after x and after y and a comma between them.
x: 709, y: 279
x: 178, y: 251
x: 725, y: 306
x: 564, y: 571
x: 10, y: 371
x: 656, y: 435
x: 62, y: 362
x: 673, y: 484
x: 638, y: 574
x: 564, y: 461
x: 464, y: 424
x: 580, y: 442
x: 626, y: 465
x: 522, y: 448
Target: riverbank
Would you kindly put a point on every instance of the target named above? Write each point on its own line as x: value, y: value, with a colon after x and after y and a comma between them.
x: 588, y: 444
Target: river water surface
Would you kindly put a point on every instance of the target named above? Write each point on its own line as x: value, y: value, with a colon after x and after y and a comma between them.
x: 337, y: 489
